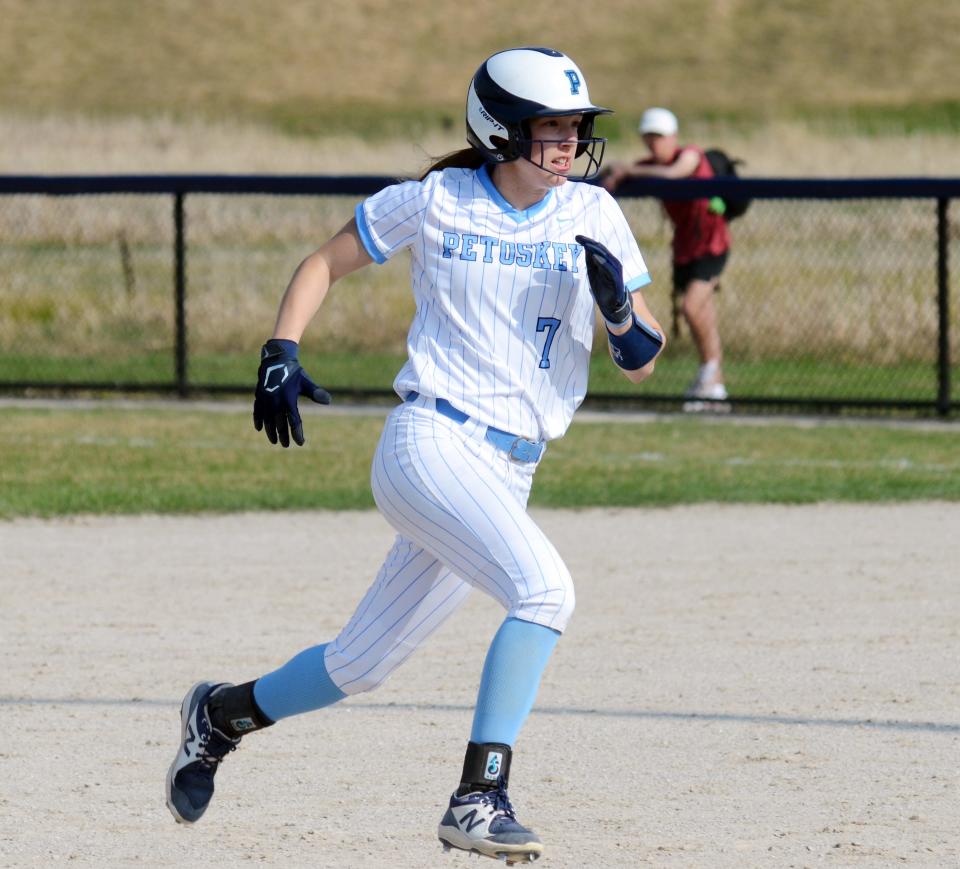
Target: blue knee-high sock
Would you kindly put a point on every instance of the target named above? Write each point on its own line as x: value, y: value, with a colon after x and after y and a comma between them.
x: 301, y: 685
x: 511, y: 676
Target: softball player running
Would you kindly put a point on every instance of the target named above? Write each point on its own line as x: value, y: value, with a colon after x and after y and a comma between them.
x: 506, y: 269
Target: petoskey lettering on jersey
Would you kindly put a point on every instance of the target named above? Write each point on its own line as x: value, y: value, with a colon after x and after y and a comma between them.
x: 504, y: 317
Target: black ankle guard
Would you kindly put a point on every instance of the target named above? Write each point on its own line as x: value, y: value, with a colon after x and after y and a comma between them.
x: 234, y: 712
x: 484, y: 764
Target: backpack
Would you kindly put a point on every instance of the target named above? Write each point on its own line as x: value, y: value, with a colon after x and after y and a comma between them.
x: 723, y: 164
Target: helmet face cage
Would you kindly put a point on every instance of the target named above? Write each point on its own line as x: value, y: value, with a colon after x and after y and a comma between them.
x: 587, y: 144
x: 513, y: 87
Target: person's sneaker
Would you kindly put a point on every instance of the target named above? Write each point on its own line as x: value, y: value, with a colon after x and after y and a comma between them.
x: 485, y: 822
x: 713, y: 392
x: 702, y: 388
x: 706, y: 398
x: 202, y: 747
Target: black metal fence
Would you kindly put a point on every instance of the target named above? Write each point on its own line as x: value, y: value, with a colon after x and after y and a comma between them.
x: 838, y: 292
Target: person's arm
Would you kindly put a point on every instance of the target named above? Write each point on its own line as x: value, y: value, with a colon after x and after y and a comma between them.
x: 341, y: 255
x: 281, y: 380
x: 613, y: 175
x: 638, y: 375
x: 616, y: 174
x: 683, y: 167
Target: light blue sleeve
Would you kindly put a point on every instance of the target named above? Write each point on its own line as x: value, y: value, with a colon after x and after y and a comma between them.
x: 366, y: 237
x: 390, y: 220
x: 637, y: 282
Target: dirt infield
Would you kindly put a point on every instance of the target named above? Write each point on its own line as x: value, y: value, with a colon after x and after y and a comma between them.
x: 743, y: 687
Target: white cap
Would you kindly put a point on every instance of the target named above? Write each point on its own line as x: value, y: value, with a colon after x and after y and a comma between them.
x: 661, y: 121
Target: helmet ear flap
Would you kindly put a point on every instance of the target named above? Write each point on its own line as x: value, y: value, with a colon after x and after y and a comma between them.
x: 494, y: 135
x: 524, y: 147
x: 504, y: 150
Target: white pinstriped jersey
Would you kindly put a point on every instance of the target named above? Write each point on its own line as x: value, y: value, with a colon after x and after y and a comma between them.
x: 504, y: 315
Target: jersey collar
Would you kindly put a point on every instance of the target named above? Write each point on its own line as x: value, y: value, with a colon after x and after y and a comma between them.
x: 483, y: 174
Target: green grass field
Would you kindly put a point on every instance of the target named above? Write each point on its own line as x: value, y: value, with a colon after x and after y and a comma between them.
x: 179, y: 460
x: 779, y: 378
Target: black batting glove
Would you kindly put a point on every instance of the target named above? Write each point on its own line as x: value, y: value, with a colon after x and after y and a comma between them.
x: 280, y: 381
x: 605, y: 273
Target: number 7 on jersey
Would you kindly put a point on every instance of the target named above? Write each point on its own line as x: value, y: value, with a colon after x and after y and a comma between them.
x: 550, y: 326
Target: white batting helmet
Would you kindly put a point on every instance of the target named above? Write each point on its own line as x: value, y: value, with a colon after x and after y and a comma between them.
x: 518, y: 84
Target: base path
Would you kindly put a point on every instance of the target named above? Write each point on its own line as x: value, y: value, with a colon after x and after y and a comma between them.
x: 743, y: 686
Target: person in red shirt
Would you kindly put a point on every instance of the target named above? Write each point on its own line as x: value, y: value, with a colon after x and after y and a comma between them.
x: 701, y: 240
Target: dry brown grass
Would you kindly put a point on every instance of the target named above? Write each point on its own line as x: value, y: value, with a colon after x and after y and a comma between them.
x: 259, y: 59
x: 60, y: 145
x: 176, y: 86
x: 806, y: 277
x: 75, y: 145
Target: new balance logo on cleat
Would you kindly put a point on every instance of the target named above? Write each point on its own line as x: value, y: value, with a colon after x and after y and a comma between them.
x: 469, y: 821
x: 484, y: 822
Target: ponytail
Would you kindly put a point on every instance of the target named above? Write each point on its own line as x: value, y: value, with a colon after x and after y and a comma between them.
x: 466, y: 158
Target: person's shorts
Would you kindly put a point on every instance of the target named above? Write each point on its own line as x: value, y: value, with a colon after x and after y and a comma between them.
x: 706, y: 268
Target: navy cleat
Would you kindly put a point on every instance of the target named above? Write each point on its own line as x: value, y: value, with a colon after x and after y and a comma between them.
x: 202, y: 747
x: 484, y: 822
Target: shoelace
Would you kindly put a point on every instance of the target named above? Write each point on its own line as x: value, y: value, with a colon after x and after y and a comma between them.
x: 213, y: 749
x: 500, y: 801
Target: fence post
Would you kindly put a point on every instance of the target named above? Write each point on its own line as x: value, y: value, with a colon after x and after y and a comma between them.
x: 179, y: 293
x: 943, y: 308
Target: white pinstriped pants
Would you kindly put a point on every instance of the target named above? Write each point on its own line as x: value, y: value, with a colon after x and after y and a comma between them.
x: 459, y: 507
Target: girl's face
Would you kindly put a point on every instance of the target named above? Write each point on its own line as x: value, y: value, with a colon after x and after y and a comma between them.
x: 554, y: 148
